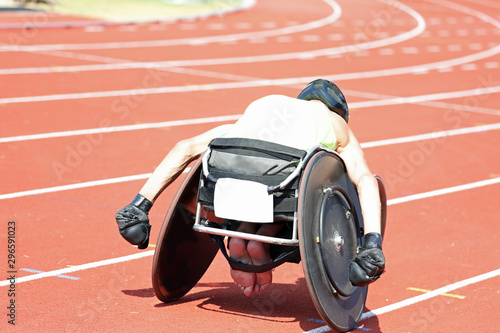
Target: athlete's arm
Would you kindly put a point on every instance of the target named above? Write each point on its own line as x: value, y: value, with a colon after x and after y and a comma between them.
x: 183, y: 153
x: 359, y: 173
x: 369, y: 263
x: 133, y: 220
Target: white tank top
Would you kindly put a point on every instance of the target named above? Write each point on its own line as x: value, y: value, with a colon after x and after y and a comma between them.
x: 287, y: 121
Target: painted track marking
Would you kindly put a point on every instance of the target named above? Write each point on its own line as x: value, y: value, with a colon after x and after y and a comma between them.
x: 426, y: 291
x: 366, y: 104
x: 79, y: 268
x: 337, y: 12
x: 113, y: 65
x: 389, y: 202
x: 429, y: 136
x: 60, y: 276
x: 420, y: 298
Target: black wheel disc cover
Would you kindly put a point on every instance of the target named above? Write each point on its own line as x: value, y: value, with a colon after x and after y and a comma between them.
x: 326, y: 170
x: 182, y: 255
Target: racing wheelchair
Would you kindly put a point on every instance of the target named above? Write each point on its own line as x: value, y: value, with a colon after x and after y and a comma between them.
x: 257, y: 181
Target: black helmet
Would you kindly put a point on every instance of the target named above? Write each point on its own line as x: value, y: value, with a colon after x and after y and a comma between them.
x: 328, y: 93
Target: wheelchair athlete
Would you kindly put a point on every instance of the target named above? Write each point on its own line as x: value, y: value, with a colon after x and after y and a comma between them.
x: 319, y: 115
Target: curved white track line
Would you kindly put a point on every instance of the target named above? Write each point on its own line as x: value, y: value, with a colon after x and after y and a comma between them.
x: 90, y: 131
x: 419, y: 298
x: 172, y: 123
x: 466, y: 10
x: 244, y: 5
x: 321, y: 329
x: 413, y: 138
x: 79, y: 267
x: 255, y: 83
x: 240, y: 60
x: 287, y: 81
x: 337, y: 11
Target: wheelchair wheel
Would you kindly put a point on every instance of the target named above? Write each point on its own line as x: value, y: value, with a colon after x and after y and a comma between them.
x: 182, y: 255
x: 330, y: 232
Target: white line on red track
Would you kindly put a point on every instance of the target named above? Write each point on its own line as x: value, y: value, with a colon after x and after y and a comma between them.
x: 113, y: 65
x: 171, y: 123
x: 420, y: 298
x: 334, y: 16
x: 148, y: 253
x: 79, y: 268
x: 366, y: 315
x: 429, y: 136
x: 234, y: 60
x: 365, y: 104
x: 74, y: 186
x: 257, y: 83
x: 429, y: 97
x: 466, y: 10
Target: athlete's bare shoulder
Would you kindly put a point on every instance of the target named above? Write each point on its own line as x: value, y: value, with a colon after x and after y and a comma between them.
x: 340, y: 128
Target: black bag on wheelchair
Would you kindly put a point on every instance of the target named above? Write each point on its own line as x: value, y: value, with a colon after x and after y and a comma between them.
x: 242, y: 165
x: 257, y: 161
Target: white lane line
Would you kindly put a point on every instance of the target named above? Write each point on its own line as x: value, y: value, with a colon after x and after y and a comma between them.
x: 334, y: 16
x: 256, y: 83
x: 403, y: 70
x: 467, y: 10
x: 429, y: 97
x: 240, y: 60
x: 90, y: 131
x: 74, y: 186
x: 432, y: 136
x: 349, y: 48
x: 461, y: 131
x: 368, y: 314
x: 489, y: 3
x: 444, y: 191
x: 435, y: 104
x: 420, y: 298
x: 77, y: 268
x: 364, y: 104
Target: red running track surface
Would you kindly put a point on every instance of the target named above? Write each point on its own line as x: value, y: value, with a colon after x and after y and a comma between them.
x: 88, y: 112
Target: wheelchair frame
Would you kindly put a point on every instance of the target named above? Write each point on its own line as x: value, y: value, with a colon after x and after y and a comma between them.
x: 202, y: 225
x: 186, y: 247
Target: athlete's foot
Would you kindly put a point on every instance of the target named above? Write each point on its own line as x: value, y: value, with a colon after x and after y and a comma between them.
x: 259, y: 253
x: 244, y: 280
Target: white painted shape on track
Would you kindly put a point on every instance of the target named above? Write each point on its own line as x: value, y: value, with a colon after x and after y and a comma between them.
x: 444, y: 191
x: 74, y: 186
x: 364, y: 104
x: 261, y: 83
x: 171, y: 123
x: 414, y: 138
x: 334, y: 16
x: 77, y: 268
x: 432, y: 136
x: 366, y: 315
x: 467, y: 10
x: 420, y: 298
x: 240, y: 60
x: 429, y: 97
x: 258, y: 83
x: 347, y: 76
x: 379, y: 311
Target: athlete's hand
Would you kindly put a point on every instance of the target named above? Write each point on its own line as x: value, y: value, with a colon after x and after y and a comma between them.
x: 133, y: 221
x: 369, y: 263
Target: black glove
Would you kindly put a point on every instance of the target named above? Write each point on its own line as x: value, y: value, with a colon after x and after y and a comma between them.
x: 133, y: 221
x: 369, y: 263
